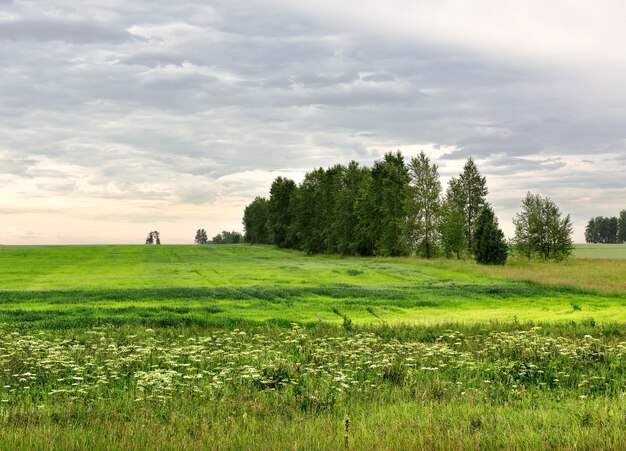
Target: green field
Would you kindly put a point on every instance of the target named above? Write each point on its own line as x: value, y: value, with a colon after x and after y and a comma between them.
x: 195, y: 347
x: 606, y: 251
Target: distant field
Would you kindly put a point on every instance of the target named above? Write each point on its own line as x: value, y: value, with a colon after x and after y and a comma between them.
x: 251, y: 347
x: 617, y: 251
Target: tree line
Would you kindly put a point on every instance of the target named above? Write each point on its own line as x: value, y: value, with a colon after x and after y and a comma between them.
x: 224, y: 237
x: 606, y: 230
x: 396, y: 208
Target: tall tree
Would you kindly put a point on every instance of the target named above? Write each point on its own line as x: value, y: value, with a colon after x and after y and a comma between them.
x: 345, y: 214
x: 621, y: 227
x: 540, y: 231
x: 307, y: 216
x: 424, y: 206
x: 280, y: 213
x: 490, y: 247
x: 366, y: 216
x: 390, y: 185
x: 453, y: 236
x: 255, y: 222
x: 201, y: 237
x: 473, y: 188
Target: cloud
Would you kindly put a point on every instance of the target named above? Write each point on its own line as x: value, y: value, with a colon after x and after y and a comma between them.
x: 191, y: 109
x: 67, y: 31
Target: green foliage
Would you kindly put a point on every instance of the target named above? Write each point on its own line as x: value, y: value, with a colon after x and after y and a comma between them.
x: 490, y: 247
x: 256, y: 222
x: 390, y: 187
x: 279, y: 213
x: 424, y: 206
x: 470, y: 193
x: 227, y: 237
x: 621, y: 233
x: 540, y: 232
x: 453, y: 235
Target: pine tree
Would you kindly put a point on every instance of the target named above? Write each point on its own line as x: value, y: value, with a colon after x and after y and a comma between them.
x: 490, y: 247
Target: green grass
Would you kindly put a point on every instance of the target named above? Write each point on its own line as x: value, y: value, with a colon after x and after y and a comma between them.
x: 226, y: 286
x: 213, y: 347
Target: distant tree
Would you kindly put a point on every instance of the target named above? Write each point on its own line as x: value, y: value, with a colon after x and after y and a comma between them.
x: 490, y: 246
x: 621, y: 227
x: 424, y: 206
x: 540, y: 231
x: 255, y: 222
x: 201, y: 237
x: 279, y: 213
x: 227, y: 237
x: 153, y: 238
x: 606, y: 230
x: 390, y: 188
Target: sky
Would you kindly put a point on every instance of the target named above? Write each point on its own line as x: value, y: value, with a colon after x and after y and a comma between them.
x: 120, y: 117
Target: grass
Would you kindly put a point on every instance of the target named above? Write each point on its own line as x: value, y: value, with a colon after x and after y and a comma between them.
x: 212, y: 347
x: 228, y: 286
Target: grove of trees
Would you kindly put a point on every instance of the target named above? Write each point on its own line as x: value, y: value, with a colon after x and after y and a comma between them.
x: 227, y: 237
x: 540, y: 231
x: 606, y: 230
x: 394, y: 208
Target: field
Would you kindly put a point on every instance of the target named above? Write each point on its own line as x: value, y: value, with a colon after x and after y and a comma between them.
x: 605, y: 251
x: 194, y: 347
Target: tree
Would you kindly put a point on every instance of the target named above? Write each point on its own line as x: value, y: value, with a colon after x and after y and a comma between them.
x: 153, y: 238
x: 540, y: 231
x: 473, y: 191
x: 453, y: 236
x: 279, y: 213
x: 621, y: 227
x: 424, y: 206
x: 201, y: 237
x: 490, y: 247
x: 390, y: 187
x: 353, y: 181
x: 307, y: 216
x: 255, y: 222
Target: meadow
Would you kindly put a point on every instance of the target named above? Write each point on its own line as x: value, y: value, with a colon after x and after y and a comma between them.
x: 195, y: 347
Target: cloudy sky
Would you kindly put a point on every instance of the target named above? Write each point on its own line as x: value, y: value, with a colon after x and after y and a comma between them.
x: 119, y: 117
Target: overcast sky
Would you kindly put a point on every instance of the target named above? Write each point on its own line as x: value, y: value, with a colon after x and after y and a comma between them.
x: 119, y: 117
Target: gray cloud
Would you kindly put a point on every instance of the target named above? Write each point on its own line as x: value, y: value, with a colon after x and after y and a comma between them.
x: 146, y: 100
x: 68, y: 31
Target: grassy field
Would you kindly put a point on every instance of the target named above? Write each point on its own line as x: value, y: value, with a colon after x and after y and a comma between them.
x: 604, y: 251
x: 195, y: 347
